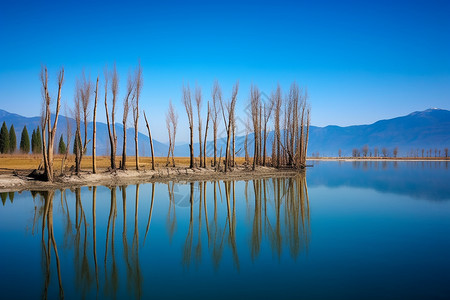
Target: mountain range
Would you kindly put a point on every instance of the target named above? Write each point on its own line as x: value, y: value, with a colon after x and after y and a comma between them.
x: 428, y: 129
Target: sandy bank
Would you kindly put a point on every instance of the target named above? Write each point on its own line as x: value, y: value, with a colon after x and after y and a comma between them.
x: 10, y: 182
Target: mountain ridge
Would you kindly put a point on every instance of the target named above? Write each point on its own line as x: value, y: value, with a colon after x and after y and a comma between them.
x: 427, y: 129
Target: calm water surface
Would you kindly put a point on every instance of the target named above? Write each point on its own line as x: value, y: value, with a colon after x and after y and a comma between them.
x: 353, y: 230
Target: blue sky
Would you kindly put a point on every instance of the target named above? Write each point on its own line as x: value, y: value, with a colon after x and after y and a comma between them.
x: 360, y: 61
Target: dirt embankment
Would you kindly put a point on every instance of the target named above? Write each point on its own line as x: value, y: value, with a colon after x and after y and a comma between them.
x: 18, y: 182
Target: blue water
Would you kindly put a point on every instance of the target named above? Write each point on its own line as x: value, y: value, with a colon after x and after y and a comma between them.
x: 351, y: 230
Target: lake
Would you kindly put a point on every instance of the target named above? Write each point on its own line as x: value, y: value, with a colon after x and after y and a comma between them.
x: 343, y: 230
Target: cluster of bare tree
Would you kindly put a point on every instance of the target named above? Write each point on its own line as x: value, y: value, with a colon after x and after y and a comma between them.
x: 81, y: 113
x: 291, y: 119
x: 385, y: 152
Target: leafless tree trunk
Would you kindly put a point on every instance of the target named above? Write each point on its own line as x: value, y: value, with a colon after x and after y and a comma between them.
x: 46, y: 121
x: 277, y: 138
x: 188, y: 105
x: 198, y: 101
x: 233, y: 130
x: 171, y: 123
x: 126, y: 110
x: 255, y: 99
x: 268, y: 107
x: 206, y: 134
x: 217, y: 99
x: 112, y: 133
x: 151, y: 142
x: 230, y: 106
x: 308, y: 121
x: 169, y: 134
x: 138, y: 88
x: 94, y: 127
x: 247, y: 129
x: 85, y: 101
x: 77, y: 116
x: 68, y: 138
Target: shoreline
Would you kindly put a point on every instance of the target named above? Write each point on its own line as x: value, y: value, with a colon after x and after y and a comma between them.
x: 18, y: 183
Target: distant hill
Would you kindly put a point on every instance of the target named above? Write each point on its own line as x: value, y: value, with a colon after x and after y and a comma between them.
x: 102, y: 134
x: 427, y: 129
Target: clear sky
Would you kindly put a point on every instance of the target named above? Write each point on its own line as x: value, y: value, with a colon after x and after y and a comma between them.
x: 360, y: 60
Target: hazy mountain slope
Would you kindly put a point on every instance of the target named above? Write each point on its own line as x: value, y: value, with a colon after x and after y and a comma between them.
x: 427, y: 129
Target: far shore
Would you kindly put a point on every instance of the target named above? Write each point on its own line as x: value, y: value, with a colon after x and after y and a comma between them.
x: 379, y: 158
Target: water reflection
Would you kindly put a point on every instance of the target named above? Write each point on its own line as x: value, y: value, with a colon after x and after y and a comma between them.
x: 279, y: 214
x: 426, y: 180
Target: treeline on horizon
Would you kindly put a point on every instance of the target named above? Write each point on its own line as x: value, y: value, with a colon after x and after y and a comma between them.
x: 289, y: 113
x: 366, y: 152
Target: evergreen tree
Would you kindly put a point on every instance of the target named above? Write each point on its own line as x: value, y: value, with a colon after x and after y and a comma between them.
x: 4, y: 139
x: 38, y: 141
x: 33, y: 141
x: 12, y: 139
x: 76, y: 144
x: 25, y: 141
x: 4, y: 196
x: 62, y: 146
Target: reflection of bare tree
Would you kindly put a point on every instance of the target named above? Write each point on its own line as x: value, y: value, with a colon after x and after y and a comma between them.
x: 94, y: 233
x: 83, y: 276
x: 232, y: 221
x: 111, y: 284
x: 291, y: 207
x: 217, y: 236
x: 151, y: 211
x: 256, y: 232
x: 136, y: 275
x: 171, y: 220
x: 198, y: 248
x: 187, y: 250
x: 206, y: 213
x: 47, y: 219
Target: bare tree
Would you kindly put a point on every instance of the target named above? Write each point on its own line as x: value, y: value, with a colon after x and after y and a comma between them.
x: 86, y: 88
x: 198, y: 101
x: 188, y: 105
x: 445, y: 151
x: 230, y: 106
x: 68, y: 138
x: 277, y: 120
x: 217, y: 99
x: 255, y: 99
x: 365, y: 150
x: 340, y: 152
x: 76, y: 113
x: 81, y: 106
x: 171, y: 123
x: 206, y: 134
x: 112, y: 132
x: 126, y: 110
x: 268, y: 107
x: 385, y: 152
x: 138, y: 88
x: 94, y: 131
x: 47, y: 127
x: 395, y: 152
x: 247, y: 130
x: 151, y: 142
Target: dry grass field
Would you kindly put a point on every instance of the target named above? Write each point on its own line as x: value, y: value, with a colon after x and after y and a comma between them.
x: 29, y: 162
